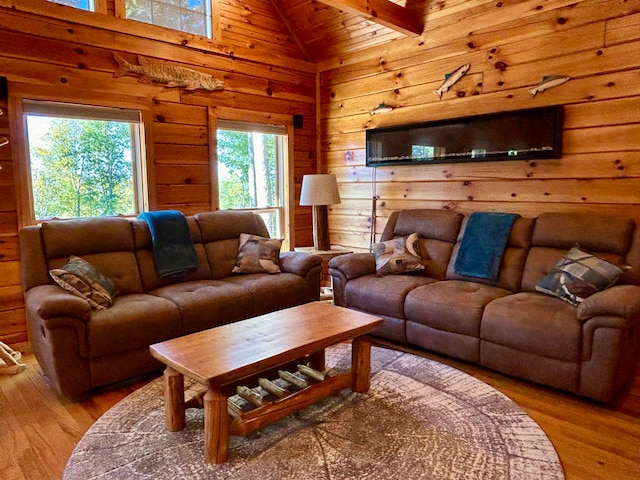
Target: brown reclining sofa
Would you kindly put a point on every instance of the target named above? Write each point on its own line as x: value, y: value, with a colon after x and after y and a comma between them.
x: 507, y: 325
x: 80, y: 348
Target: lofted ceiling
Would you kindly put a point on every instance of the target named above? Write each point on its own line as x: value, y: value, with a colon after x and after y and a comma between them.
x: 326, y: 29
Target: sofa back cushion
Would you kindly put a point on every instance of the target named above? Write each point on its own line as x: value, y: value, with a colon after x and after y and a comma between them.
x: 513, y: 259
x: 437, y: 230
x: 221, y: 231
x: 554, y: 234
x: 104, y: 242
x: 146, y: 263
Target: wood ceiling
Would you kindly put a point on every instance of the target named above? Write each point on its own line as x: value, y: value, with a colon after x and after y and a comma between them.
x: 325, y: 29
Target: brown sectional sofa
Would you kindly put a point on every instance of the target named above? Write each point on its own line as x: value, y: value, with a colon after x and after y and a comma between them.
x: 506, y: 325
x: 79, y: 348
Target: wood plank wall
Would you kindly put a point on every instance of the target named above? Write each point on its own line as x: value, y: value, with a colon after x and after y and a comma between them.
x: 510, y: 46
x: 63, y: 52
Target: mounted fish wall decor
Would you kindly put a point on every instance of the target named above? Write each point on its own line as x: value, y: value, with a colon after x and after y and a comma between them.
x: 450, y: 79
x: 547, y: 82
x: 172, y: 75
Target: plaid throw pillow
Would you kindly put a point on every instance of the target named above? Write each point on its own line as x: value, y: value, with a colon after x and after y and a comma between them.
x: 82, y: 279
x: 578, y: 275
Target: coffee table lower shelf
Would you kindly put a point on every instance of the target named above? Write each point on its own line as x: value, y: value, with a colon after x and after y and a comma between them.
x: 245, y: 423
x: 217, y: 427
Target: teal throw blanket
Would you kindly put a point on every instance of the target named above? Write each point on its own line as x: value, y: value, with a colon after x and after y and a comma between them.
x: 483, y: 244
x: 173, y: 248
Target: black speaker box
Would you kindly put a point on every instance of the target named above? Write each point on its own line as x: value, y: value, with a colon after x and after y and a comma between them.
x: 297, y: 121
x: 4, y: 91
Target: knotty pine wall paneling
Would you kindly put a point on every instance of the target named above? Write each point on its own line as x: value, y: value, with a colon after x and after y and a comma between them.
x: 510, y: 47
x: 11, y: 300
x: 62, y: 53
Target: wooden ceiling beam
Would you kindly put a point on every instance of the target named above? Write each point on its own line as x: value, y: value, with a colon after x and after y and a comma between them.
x: 383, y: 12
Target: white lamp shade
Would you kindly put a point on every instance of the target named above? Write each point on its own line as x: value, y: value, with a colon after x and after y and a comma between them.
x: 320, y: 189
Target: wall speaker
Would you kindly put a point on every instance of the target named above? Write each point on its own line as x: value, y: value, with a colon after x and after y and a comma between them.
x: 4, y: 91
x: 297, y: 121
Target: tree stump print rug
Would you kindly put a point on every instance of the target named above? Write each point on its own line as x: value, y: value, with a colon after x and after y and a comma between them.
x: 420, y: 420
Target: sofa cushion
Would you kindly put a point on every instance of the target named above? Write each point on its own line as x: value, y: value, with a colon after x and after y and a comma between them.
x: 151, y: 280
x: 83, y: 280
x: 207, y: 303
x: 438, y: 231
x: 554, y: 234
x: 441, y: 225
x: 271, y: 292
x: 228, y: 224
x: 534, y: 323
x: 513, y: 259
x: 453, y: 305
x: 399, y: 255
x: 82, y: 236
x: 593, y: 232
x: 221, y: 231
x: 257, y: 254
x: 578, y: 275
x: 120, y: 267
x: 382, y: 295
x: 134, y: 321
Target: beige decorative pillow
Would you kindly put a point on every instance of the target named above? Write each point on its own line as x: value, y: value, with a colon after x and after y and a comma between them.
x: 399, y: 255
x: 258, y: 254
x: 82, y: 279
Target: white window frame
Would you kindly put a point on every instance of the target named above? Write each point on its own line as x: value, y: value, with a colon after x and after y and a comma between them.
x: 92, y: 5
x: 208, y: 14
x: 269, y: 123
x: 22, y: 168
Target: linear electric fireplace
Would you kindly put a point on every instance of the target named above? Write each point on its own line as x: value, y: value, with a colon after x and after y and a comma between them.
x: 518, y: 135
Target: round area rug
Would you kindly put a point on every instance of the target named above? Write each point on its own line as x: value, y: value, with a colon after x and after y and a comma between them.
x: 419, y: 420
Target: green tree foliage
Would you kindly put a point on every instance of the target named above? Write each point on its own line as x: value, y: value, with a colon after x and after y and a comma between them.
x: 83, y: 168
x: 237, y: 153
x: 233, y: 153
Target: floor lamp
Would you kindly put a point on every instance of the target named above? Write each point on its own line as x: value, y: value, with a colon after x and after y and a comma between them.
x: 319, y: 191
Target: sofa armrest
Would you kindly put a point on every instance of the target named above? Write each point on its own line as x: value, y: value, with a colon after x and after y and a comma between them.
x: 299, y: 263
x: 306, y: 266
x: 51, y: 301
x: 354, y: 265
x: 610, y: 340
x: 619, y: 301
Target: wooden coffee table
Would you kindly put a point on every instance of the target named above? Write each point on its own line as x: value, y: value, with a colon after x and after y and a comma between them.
x: 221, y: 358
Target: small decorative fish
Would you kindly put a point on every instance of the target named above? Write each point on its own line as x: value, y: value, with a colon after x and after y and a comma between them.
x: 172, y: 75
x: 549, y: 82
x: 450, y: 79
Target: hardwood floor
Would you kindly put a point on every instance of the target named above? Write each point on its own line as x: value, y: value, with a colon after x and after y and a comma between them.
x: 594, y: 441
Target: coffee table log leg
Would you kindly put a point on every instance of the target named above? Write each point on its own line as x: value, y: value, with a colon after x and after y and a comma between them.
x: 216, y: 428
x: 361, y: 364
x: 174, y: 400
x: 317, y: 361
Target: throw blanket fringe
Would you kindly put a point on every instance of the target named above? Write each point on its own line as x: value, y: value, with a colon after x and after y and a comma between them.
x: 173, y: 248
x: 483, y: 244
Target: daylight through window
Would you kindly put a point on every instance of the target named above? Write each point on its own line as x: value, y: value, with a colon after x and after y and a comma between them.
x: 191, y: 16
x: 83, y: 4
x: 250, y: 170
x: 84, y: 161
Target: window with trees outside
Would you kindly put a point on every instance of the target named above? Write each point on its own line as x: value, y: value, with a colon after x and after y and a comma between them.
x: 191, y: 16
x: 251, y: 159
x: 83, y: 4
x: 84, y: 160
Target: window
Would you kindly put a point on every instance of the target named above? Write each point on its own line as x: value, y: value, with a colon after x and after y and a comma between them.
x: 83, y: 4
x: 251, y: 159
x: 191, y: 16
x: 84, y: 160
